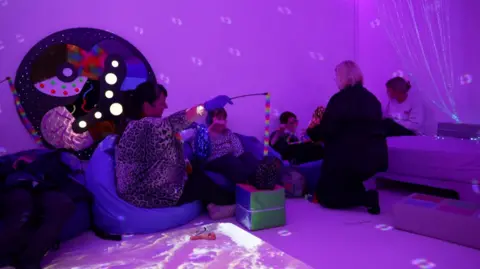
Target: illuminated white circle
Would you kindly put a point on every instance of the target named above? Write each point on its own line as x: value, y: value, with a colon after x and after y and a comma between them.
x: 116, y: 109
x: 82, y: 124
x: 67, y: 72
x: 200, y: 110
x: 109, y: 94
x: 111, y: 78
x: 98, y: 115
x: 115, y: 63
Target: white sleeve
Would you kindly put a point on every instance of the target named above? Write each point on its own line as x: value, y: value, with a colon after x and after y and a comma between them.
x: 414, y: 120
x: 386, y: 111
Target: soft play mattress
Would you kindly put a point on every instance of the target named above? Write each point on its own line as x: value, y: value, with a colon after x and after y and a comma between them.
x: 234, y: 248
x: 435, y: 158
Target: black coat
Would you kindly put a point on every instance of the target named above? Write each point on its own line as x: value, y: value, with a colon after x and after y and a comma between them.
x: 47, y: 172
x: 353, y: 134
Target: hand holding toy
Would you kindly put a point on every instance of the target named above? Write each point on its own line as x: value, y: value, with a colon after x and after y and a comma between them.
x: 218, y: 102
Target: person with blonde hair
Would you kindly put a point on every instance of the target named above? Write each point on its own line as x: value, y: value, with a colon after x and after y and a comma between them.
x: 355, y: 143
x: 408, y: 109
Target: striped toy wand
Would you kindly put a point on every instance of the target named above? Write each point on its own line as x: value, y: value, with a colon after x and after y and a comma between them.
x: 21, y: 112
x: 266, y: 137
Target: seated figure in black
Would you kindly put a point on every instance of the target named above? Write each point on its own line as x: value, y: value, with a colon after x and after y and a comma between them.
x: 37, y: 197
x: 285, y: 141
x: 355, y: 143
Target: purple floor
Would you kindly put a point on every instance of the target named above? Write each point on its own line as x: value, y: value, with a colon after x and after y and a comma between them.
x: 317, y: 237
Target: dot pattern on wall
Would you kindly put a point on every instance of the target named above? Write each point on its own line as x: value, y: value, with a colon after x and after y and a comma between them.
x: 68, y: 82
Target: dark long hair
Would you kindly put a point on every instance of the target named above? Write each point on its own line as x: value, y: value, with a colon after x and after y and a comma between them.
x: 133, y: 101
x: 398, y: 84
x: 215, y: 113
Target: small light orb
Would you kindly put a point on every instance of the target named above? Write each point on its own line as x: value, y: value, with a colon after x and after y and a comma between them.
x: 111, y: 79
x: 109, y: 94
x: 116, y: 109
x: 115, y: 64
x: 200, y: 110
x: 98, y: 115
x: 67, y: 72
x: 82, y: 124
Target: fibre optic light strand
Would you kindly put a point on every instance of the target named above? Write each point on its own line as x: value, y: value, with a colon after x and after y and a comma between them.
x: 421, y: 35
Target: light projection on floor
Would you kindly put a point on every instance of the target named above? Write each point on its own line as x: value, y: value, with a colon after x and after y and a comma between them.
x: 423, y: 263
x: 284, y: 233
x: 466, y: 79
x: 226, y: 20
x: 2, y: 46
x: 234, y: 248
x: 284, y: 10
x: 3, y: 3
x: 383, y: 227
x: 69, y: 86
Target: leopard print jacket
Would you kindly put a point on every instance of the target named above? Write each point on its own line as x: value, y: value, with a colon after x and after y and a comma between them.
x: 150, y: 165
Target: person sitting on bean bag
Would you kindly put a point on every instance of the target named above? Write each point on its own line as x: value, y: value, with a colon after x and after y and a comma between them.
x: 149, y: 157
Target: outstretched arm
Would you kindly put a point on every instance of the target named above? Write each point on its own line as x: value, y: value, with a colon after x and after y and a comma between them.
x: 181, y: 120
x: 327, y: 125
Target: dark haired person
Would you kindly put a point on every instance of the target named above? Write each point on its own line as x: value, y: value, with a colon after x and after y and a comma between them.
x: 405, y: 108
x: 228, y: 157
x: 290, y: 147
x: 355, y: 143
x: 286, y: 134
x: 37, y: 198
x: 150, y: 163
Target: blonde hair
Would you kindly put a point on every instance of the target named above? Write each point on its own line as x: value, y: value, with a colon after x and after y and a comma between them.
x: 348, y: 74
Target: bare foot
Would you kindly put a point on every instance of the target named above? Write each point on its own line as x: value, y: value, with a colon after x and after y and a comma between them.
x: 217, y: 212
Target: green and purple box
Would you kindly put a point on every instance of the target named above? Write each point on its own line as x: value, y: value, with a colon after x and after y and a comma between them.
x: 260, y: 209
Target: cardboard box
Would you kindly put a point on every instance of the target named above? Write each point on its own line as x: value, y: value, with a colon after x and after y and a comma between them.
x: 260, y: 209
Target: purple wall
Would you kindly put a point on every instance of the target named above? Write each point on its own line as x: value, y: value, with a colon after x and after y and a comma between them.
x: 289, y: 48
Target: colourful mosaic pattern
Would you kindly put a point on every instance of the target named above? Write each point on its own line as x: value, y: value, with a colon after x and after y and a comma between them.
x: 89, y: 63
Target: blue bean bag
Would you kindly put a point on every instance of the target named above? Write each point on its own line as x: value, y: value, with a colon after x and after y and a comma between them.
x: 115, y: 216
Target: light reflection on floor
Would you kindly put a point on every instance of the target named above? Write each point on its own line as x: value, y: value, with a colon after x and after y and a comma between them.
x: 234, y: 248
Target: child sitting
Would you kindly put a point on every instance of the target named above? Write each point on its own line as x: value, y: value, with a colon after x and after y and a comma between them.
x: 227, y: 155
